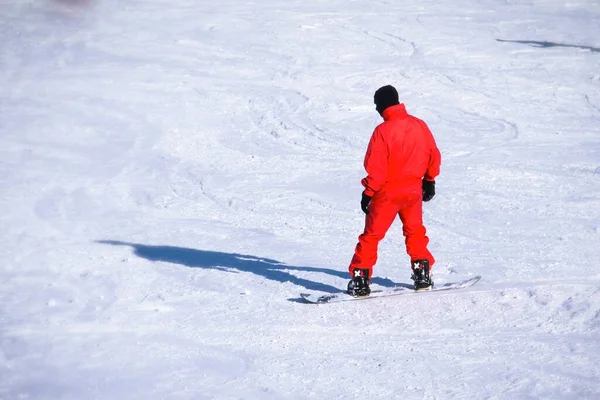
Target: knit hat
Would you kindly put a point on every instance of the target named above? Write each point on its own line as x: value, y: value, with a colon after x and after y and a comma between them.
x: 385, y: 97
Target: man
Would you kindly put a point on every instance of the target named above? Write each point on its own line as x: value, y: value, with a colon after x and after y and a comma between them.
x: 402, y: 162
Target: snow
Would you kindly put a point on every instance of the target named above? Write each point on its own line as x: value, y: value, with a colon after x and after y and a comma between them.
x: 174, y: 174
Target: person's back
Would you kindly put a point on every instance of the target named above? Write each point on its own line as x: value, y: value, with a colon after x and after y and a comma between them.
x: 401, y: 152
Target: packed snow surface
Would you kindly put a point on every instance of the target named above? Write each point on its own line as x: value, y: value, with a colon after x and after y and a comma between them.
x: 173, y: 174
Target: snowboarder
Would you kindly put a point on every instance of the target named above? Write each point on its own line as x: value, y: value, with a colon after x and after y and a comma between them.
x: 402, y: 162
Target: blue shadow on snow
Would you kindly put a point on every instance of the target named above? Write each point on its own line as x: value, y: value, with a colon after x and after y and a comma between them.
x: 541, y: 44
x: 233, y: 262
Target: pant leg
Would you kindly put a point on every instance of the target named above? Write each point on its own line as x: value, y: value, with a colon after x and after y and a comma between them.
x: 414, y: 232
x: 382, y: 213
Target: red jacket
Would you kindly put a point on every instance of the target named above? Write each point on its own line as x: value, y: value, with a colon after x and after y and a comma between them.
x: 401, y: 152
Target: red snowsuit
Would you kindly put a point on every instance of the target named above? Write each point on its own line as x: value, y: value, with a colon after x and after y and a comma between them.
x: 401, y: 153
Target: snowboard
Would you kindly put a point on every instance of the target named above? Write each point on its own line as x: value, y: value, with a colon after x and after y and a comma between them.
x: 396, y: 291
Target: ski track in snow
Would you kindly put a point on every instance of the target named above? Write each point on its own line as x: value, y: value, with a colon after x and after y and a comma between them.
x: 174, y: 174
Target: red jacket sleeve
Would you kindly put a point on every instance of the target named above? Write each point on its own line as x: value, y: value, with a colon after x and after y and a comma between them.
x: 435, y: 158
x: 376, y: 160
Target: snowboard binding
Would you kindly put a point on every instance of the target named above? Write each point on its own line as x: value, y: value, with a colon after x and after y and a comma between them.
x: 421, y: 275
x: 359, y: 285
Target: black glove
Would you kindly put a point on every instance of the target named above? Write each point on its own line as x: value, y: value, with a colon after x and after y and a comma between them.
x: 428, y: 190
x: 364, y: 203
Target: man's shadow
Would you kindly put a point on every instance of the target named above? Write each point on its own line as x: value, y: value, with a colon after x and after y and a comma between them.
x: 233, y: 262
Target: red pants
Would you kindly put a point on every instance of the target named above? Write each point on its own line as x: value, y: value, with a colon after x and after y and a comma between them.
x: 382, y: 212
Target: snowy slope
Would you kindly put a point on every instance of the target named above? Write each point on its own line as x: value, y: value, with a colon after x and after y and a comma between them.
x: 174, y: 173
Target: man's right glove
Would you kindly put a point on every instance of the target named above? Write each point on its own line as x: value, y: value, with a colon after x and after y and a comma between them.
x: 428, y: 190
x: 364, y: 202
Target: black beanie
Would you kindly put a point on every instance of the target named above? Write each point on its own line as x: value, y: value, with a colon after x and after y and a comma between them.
x: 385, y: 97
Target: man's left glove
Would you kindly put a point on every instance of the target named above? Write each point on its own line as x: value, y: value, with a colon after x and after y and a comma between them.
x: 364, y: 202
x: 428, y: 190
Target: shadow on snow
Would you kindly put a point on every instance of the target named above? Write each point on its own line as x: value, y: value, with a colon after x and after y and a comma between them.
x: 233, y: 262
x: 536, y: 43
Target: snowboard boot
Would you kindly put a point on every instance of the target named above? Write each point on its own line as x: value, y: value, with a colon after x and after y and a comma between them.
x: 359, y: 285
x: 421, y: 275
